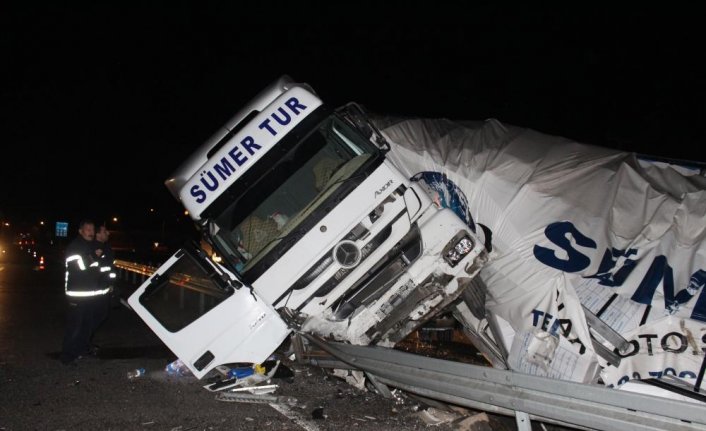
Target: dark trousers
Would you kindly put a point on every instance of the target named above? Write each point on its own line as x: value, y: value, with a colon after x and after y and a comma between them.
x: 83, y: 317
x: 79, y: 324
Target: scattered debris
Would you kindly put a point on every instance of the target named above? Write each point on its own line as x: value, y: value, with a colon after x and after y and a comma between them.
x: 398, y: 396
x: 249, y: 376
x: 254, y: 398
x: 353, y: 377
x: 434, y: 417
x: 257, y: 390
x: 177, y: 368
x: 477, y: 422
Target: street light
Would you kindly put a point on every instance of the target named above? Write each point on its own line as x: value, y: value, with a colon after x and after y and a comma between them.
x: 115, y: 219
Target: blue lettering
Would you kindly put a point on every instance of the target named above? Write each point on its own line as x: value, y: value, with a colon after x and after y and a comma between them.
x: 248, y: 143
x: 224, y: 169
x: 238, y: 156
x: 564, y: 324
x: 687, y: 374
x: 199, y: 194
x: 557, y: 233
x: 698, y: 279
x: 294, y: 105
x: 266, y: 125
x: 661, y: 271
x: 213, y: 185
x: 547, y: 318
x: 555, y: 326
x: 611, y: 278
x: 283, y: 121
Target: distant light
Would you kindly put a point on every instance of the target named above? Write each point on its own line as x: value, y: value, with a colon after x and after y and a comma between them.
x: 7, y: 224
x: 42, y: 222
x: 156, y: 245
x: 186, y: 212
x: 151, y: 210
x: 115, y: 219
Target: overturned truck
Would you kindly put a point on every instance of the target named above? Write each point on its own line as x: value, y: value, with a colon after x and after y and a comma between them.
x: 306, y: 225
x: 560, y: 260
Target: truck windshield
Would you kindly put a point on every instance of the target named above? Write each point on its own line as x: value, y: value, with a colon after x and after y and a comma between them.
x: 286, y: 200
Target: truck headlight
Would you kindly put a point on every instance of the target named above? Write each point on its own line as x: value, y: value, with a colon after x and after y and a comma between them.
x: 458, y: 248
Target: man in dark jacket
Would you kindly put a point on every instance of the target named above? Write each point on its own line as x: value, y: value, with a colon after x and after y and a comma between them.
x: 83, y: 291
x: 106, y: 256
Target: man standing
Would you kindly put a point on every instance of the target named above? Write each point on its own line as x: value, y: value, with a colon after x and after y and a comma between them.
x: 82, y: 287
x: 105, y: 256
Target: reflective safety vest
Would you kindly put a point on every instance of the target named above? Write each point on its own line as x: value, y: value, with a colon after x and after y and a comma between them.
x: 83, y: 271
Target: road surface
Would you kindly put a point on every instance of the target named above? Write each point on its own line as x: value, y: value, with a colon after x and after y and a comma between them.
x: 38, y: 392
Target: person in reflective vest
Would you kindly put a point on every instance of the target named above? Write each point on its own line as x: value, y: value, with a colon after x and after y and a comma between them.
x: 84, y: 290
x: 106, y: 256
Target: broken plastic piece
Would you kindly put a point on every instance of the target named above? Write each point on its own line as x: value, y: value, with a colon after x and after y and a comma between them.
x: 250, y: 398
x: 177, y: 368
x: 241, y: 372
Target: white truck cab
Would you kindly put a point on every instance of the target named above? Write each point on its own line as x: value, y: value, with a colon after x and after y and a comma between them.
x: 306, y: 225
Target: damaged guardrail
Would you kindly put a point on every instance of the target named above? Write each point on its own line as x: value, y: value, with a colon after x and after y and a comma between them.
x: 507, y: 392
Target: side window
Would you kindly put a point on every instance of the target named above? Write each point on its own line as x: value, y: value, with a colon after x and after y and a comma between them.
x: 182, y: 294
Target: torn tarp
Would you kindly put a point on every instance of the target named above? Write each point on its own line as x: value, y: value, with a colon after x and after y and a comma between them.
x: 572, y: 224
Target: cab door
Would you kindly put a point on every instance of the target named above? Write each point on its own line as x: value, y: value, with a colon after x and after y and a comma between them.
x: 204, y: 316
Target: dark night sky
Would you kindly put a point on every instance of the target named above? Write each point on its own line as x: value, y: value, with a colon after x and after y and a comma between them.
x: 100, y: 103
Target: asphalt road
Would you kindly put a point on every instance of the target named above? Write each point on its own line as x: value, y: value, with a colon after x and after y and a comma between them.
x: 38, y: 392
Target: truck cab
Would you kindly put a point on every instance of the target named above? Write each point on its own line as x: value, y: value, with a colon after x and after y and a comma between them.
x: 306, y: 225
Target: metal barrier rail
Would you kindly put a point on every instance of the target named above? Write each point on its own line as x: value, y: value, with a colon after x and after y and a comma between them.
x: 490, y: 389
x: 133, y: 269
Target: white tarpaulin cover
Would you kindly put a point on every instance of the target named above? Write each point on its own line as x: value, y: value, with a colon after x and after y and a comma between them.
x: 574, y: 224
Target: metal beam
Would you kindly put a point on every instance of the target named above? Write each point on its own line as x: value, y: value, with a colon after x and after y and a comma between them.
x: 577, y: 404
